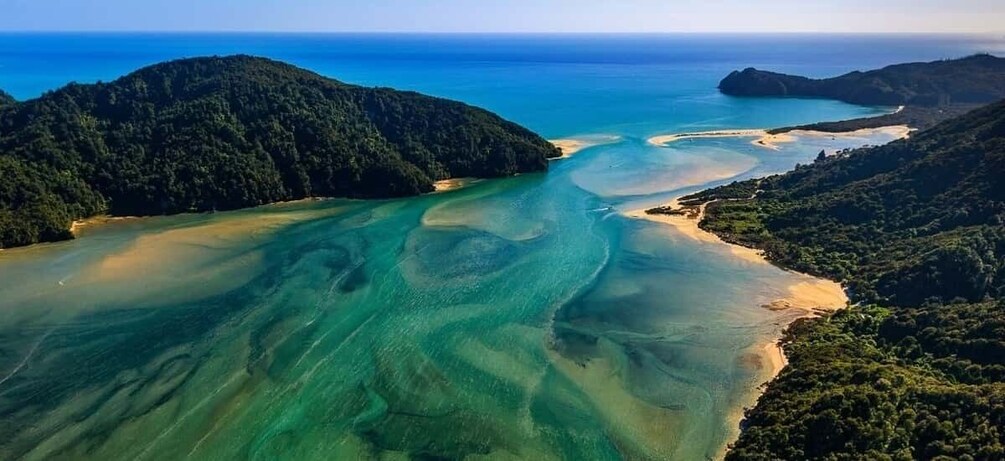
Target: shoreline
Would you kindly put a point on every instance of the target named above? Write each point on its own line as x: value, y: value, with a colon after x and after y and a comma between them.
x: 769, y: 140
x: 447, y: 185
x: 918, y: 117
x: 104, y: 219
x: 810, y: 297
x: 572, y: 146
x: 96, y: 221
x: 663, y: 140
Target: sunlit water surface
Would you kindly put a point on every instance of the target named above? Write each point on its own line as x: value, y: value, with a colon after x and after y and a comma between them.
x: 516, y: 318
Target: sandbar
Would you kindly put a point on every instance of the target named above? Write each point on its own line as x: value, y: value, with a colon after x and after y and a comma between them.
x: 894, y: 131
x: 663, y: 140
x: 572, y: 146
x: 771, y: 141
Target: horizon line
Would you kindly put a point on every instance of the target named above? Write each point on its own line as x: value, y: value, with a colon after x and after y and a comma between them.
x: 420, y: 32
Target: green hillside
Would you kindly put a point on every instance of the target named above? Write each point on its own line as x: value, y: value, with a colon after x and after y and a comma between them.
x: 916, y: 232
x: 222, y: 133
x: 6, y: 98
x: 974, y: 80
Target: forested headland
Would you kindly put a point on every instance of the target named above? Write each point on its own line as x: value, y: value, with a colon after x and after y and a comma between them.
x: 222, y: 133
x: 915, y: 230
x: 975, y: 79
x: 930, y: 92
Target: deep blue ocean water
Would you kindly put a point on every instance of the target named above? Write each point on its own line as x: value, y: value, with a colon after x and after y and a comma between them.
x: 633, y: 81
x: 520, y: 318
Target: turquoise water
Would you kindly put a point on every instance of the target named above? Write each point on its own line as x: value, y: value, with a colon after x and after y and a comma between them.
x: 518, y: 318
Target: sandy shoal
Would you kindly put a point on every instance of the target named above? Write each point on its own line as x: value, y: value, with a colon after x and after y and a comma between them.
x: 572, y: 146
x: 894, y: 131
x: 446, y: 185
x: 77, y: 226
x: 155, y: 253
x: 809, y: 296
x: 772, y: 141
x: 663, y: 140
x: 688, y: 227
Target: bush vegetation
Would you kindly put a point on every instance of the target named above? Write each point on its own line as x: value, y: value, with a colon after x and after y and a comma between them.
x: 229, y: 132
x: 916, y: 231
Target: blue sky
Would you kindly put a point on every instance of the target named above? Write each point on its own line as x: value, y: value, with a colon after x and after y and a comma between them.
x: 979, y: 16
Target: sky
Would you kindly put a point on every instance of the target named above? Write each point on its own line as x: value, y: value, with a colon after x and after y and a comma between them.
x: 491, y: 16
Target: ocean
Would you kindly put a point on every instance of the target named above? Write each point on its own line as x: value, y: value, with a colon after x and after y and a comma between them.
x: 519, y: 318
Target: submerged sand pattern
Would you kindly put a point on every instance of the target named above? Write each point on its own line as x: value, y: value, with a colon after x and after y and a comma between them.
x: 774, y: 141
x: 512, y: 319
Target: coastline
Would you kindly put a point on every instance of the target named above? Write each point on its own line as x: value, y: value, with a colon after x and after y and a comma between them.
x: 810, y: 297
x: 896, y: 131
x: 446, y: 185
x: 100, y: 220
x: 96, y: 221
x: 688, y: 227
x: 769, y: 140
x: 572, y: 146
x: 663, y: 140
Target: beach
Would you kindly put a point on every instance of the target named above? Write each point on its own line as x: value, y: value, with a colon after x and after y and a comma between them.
x: 807, y: 296
x: 764, y: 138
x: 516, y: 318
x: 77, y: 226
x: 663, y: 140
x: 772, y: 141
x: 688, y: 227
x: 446, y: 185
x: 572, y: 146
x: 895, y: 131
x: 811, y: 295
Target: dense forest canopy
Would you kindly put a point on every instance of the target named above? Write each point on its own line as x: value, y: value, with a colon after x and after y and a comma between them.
x: 229, y: 132
x: 6, y: 98
x: 916, y: 231
x: 974, y: 80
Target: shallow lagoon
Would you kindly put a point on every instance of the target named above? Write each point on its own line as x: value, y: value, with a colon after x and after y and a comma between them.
x: 522, y: 317
x: 516, y: 318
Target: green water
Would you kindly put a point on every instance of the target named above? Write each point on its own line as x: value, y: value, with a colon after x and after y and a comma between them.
x: 517, y: 318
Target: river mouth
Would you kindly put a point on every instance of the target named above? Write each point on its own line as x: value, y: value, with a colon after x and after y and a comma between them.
x: 518, y: 317
x: 521, y: 318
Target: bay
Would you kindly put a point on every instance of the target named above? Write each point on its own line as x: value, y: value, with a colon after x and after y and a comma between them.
x: 518, y: 318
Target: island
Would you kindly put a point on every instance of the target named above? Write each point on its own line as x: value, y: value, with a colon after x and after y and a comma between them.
x: 221, y: 133
x: 915, y: 231
x: 927, y: 93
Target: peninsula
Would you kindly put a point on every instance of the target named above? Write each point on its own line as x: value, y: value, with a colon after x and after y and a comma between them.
x: 914, y: 230
x: 928, y: 92
x: 222, y: 133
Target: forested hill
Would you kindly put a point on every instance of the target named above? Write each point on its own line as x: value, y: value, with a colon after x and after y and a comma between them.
x: 229, y: 132
x: 5, y: 98
x: 974, y: 80
x: 916, y: 230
